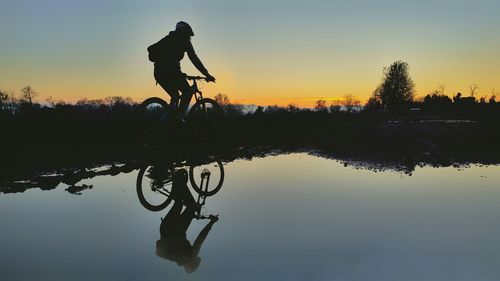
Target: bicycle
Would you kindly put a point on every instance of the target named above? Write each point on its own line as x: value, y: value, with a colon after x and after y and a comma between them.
x: 204, y: 118
x: 154, y: 184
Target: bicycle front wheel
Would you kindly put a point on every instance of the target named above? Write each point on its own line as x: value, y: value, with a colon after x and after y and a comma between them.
x: 207, y: 118
x: 207, y: 179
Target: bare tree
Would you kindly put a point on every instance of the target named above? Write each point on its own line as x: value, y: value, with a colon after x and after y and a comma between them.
x: 50, y: 100
x: 118, y: 101
x: 441, y: 89
x: 293, y: 108
x: 473, y: 88
x: 227, y: 106
x: 8, y: 101
x: 320, y: 106
x: 222, y: 99
x: 28, y: 95
x: 493, y: 97
x: 350, y: 103
x: 3, y: 99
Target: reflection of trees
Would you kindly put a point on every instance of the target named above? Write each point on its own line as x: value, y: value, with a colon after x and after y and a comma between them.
x: 71, y: 177
x: 77, y: 189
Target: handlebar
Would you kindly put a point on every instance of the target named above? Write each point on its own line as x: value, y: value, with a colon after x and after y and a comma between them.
x: 209, y: 217
x: 194, y: 78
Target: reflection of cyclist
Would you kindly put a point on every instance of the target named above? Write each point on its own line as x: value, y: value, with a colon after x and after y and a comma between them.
x: 167, y: 71
x: 173, y: 243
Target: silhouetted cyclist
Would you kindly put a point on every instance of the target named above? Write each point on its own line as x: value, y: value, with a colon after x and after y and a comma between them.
x: 173, y: 243
x: 167, y: 54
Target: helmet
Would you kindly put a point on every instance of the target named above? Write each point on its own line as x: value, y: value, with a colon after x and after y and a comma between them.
x: 184, y: 26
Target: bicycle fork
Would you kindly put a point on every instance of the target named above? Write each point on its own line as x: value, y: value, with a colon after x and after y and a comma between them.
x: 205, y: 180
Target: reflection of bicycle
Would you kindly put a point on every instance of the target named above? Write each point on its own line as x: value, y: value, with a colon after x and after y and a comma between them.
x: 154, y: 184
x: 204, y: 118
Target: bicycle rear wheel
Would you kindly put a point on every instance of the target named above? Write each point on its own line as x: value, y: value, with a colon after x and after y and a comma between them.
x: 206, y: 117
x: 153, y: 114
x: 154, y: 187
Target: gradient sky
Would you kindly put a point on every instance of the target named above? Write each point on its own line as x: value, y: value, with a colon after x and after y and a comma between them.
x: 260, y: 51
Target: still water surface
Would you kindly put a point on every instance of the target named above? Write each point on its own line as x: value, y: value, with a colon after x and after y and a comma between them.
x: 287, y: 217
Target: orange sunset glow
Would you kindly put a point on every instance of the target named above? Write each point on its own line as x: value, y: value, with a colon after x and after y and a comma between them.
x: 308, y: 52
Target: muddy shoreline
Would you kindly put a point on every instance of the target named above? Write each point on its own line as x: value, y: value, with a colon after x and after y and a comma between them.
x: 400, y: 145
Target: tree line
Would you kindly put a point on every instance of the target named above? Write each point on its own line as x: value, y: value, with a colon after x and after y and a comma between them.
x: 395, y: 94
x: 13, y: 104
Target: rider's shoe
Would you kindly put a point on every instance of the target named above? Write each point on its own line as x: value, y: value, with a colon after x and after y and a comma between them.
x: 214, y: 218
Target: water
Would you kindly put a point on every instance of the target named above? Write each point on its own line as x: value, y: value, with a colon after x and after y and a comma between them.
x: 287, y: 217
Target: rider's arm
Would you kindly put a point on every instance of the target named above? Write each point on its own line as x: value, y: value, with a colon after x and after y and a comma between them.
x: 195, y: 60
x: 201, y: 237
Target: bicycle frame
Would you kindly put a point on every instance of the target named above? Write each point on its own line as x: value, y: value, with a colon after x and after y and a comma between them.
x: 198, y: 95
x: 205, y: 180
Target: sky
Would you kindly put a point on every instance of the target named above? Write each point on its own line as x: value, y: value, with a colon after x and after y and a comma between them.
x: 261, y: 51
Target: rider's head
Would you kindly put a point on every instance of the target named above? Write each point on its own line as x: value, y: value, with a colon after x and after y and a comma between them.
x: 164, y: 250
x: 184, y: 28
x: 192, y: 265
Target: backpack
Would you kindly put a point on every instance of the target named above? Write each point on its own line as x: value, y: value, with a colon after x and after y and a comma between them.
x: 156, y: 51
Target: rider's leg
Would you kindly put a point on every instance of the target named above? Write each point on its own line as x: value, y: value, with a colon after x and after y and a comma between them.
x: 186, y: 96
x: 164, y: 78
x: 172, y: 92
x: 175, y: 210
